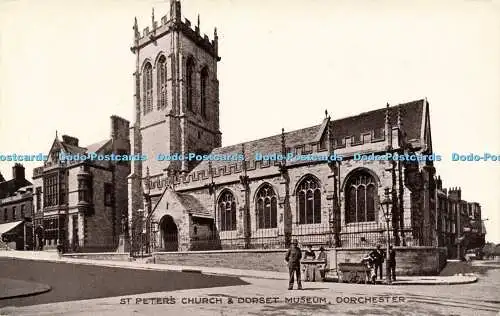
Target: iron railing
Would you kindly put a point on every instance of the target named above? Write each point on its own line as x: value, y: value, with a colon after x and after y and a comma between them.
x: 359, y: 235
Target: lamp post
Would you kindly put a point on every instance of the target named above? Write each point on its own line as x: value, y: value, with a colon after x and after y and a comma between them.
x: 140, y: 225
x: 386, y: 208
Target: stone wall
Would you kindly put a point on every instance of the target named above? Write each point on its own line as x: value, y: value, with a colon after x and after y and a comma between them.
x: 266, y: 260
x: 409, y: 260
x: 98, y: 229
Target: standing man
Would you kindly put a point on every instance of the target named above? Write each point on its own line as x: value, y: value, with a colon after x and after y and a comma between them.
x: 293, y: 256
x: 391, y: 261
x: 322, y: 267
x: 379, y: 256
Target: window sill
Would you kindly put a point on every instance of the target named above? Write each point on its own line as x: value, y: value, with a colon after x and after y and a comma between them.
x: 309, y: 224
x: 363, y: 223
x: 267, y: 229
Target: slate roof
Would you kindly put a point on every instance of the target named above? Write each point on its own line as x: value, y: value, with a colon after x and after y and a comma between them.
x: 411, y: 115
x: 73, y: 149
x: 7, y: 188
x: 193, y: 205
x: 96, y: 146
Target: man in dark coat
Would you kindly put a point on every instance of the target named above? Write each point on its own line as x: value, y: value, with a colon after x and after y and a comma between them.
x: 391, y: 261
x: 293, y: 256
x: 379, y: 256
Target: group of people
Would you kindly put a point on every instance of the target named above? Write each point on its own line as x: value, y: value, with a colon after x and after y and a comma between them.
x: 293, y: 258
x: 374, y: 261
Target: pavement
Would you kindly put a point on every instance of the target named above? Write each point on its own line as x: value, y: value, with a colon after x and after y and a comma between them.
x: 260, y: 295
x: 54, y: 257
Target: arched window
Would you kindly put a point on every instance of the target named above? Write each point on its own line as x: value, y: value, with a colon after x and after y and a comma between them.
x: 309, y: 201
x: 147, y: 86
x: 360, y: 198
x: 162, y: 83
x: 227, y: 211
x: 267, y: 207
x: 189, y: 83
x: 203, y: 91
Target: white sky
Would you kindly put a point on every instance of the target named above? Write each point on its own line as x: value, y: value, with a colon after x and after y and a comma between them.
x: 66, y: 66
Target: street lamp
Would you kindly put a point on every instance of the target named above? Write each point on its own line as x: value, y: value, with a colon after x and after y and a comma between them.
x: 140, y: 228
x: 386, y: 208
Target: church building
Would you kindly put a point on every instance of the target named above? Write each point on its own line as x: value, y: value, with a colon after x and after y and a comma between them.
x: 246, y: 203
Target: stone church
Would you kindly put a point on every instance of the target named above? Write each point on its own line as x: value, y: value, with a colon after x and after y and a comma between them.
x: 213, y: 204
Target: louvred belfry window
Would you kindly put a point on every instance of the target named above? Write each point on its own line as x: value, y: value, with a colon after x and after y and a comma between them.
x: 189, y: 83
x: 203, y: 91
x: 162, y: 83
x: 147, y: 85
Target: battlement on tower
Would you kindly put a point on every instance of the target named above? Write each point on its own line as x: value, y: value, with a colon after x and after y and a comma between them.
x: 174, y: 22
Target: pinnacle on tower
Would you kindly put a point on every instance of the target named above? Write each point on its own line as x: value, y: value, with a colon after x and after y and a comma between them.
x: 387, y: 114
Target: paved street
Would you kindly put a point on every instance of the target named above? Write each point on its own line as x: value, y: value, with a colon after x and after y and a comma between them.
x: 263, y: 297
x: 76, y: 282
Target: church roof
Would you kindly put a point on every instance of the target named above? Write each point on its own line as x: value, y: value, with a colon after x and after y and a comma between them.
x: 411, y: 116
x: 193, y: 205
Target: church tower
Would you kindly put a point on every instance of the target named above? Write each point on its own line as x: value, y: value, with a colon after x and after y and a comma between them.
x: 176, y: 91
x: 176, y: 100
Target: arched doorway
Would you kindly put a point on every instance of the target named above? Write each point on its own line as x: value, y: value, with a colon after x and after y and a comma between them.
x: 169, y: 233
x: 39, y: 238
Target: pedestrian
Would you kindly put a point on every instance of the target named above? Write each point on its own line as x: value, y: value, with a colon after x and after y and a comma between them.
x: 379, y: 256
x: 292, y: 258
x: 309, y: 253
x: 322, y: 266
x: 60, y: 249
x: 391, y: 261
x: 369, y: 261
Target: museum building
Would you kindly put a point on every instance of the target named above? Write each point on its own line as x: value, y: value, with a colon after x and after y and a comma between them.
x: 79, y: 204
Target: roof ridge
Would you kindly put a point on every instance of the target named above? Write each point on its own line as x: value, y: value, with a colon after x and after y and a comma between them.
x: 379, y: 109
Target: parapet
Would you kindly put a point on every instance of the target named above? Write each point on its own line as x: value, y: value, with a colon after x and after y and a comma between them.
x: 175, y: 23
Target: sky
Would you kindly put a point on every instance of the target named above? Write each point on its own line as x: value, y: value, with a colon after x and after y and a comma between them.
x: 67, y: 66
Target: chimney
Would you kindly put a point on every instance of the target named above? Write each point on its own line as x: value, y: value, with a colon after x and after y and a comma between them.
x: 73, y: 141
x: 18, y: 172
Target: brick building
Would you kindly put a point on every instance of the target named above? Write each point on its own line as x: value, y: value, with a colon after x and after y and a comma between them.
x: 80, y: 203
x: 16, y: 210
x: 242, y: 202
